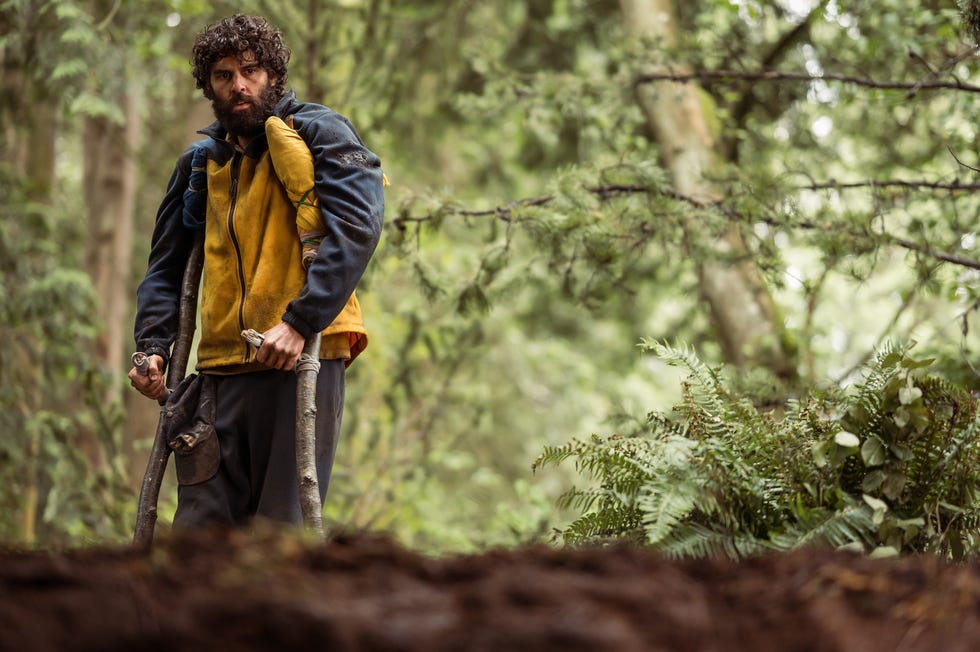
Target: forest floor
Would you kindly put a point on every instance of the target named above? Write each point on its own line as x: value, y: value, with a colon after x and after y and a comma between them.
x: 230, y: 591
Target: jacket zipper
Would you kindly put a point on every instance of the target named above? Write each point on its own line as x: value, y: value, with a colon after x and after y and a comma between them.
x: 236, y: 167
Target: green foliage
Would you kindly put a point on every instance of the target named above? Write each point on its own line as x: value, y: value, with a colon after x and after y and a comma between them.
x: 53, y: 408
x: 891, y: 464
x: 532, y: 236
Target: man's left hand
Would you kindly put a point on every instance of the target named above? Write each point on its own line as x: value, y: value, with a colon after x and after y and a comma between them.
x: 281, y: 348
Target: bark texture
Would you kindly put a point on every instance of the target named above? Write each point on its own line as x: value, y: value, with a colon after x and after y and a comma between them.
x: 309, y: 485
x: 110, y: 198
x: 746, y: 323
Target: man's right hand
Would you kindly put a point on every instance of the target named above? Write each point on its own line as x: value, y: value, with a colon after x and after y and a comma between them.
x: 149, y: 380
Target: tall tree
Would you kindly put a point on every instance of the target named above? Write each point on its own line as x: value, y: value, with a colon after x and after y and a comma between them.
x: 746, y: 321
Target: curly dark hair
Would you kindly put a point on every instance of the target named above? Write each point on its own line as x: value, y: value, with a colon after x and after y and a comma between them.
x: 234, y: 36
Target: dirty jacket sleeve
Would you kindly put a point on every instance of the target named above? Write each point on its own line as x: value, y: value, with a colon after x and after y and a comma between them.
x: 348, y: 182
x: 158, y: 295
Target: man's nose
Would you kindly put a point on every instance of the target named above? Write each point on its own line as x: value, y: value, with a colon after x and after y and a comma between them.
x: 239, y: 82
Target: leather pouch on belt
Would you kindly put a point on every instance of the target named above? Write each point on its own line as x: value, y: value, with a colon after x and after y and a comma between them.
x: 197, y: 454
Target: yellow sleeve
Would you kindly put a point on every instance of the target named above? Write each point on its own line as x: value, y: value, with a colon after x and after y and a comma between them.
x: 293, y: 163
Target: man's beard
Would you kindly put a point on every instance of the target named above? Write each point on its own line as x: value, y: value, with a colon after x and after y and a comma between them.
x: 246, y: 122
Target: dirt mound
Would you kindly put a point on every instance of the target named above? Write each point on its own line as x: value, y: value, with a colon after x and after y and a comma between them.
x: 238, y: 592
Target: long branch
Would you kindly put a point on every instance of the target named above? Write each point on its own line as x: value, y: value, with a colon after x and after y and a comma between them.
x: 505, y: 213
x: 776, y: 76
x: 910, y: 184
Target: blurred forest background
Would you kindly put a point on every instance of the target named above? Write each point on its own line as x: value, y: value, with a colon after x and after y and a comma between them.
x: 784, y: 186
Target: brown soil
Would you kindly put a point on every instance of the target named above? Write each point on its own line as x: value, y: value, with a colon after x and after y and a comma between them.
x: 237, y: 592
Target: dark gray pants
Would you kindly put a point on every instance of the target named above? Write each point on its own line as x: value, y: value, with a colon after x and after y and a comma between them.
x: 256, y: 428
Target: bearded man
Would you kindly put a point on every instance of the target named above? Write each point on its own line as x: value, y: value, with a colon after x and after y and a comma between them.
x: 254, y: 277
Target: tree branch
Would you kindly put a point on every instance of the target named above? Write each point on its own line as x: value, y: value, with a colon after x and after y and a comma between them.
x: 606, y: 192
x: 778, y: 76
x: 912, y: 184
x: 748, y: 99
x: 957, y: 159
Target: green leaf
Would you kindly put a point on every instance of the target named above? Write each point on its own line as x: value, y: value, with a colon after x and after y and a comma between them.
x: 873, y: 452
x: 891, y: 359
x: 909, y: 394
x: 901, y: 417
x: 819, y: 452
x: 92, y: 105
x: 68, y: 69
x: 901, y: 451
x: 883, y: 552
x: 909, y: 363
x: 879, y: 508
x: 847, y: 439
x: 873, y: 480
x: 894, y: 484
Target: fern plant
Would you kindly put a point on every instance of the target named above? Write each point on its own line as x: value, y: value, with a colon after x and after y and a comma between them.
x: 889, y: 466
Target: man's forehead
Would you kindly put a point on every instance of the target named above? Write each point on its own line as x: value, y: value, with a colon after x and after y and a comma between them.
x: 246, y: 58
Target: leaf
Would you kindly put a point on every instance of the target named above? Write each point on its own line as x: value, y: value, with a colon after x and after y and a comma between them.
x: 883, y: 552
x: 901, y: 417
x: 847, y: 439
x: 94, y: 106
x: 909, y: 363
x: 901, y: 451
x: 891, y: 359
x: 879, y: 508
x: 909, y: 394
x: 68, y: 69
x: 873, y: 480
x: 873, y: 452
x: 819, y: 452
x: 894, y: 484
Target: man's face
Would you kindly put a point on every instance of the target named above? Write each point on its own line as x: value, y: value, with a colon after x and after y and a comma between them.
x: 244, y: 94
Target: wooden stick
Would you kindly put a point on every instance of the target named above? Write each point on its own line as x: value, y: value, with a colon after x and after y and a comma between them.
x: 146, y: 511
x: 307, y: 369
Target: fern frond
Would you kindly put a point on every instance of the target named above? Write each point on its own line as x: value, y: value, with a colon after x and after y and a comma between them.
x: 610, y: 523
x: 697, y: 541
x: 555, y: 455
x: 703, y: 381
x: 719, y: 476
x: 852, y: 524
x: 665, y: 503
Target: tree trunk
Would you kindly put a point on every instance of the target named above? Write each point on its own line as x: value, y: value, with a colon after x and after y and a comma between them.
x: 110, y: 171
x: 168, y: 141
x: 28, y: 129
x: 744, y: 317
x: 110, y: 198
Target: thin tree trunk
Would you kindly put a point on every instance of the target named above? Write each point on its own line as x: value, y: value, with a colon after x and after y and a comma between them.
x: 110, y: 172
x: 744, y: 317
x: 29, y: 124
x: 110, y: 197
x: 142, y: 415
